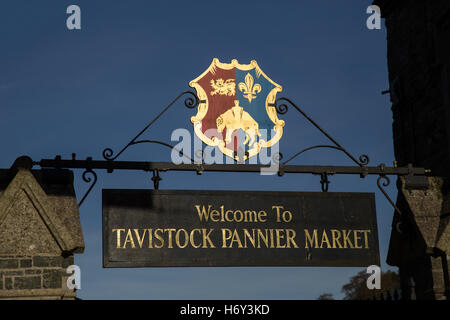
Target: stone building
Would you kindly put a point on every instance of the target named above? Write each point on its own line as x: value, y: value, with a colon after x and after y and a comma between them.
x: 39, y: 232
x: 418, y: 52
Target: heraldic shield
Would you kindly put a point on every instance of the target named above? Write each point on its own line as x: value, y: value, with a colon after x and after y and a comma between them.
x: 237, y: 115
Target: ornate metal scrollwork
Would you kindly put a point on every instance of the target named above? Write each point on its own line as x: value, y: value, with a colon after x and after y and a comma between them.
x: 108, y: 154
x: 189, y: 102
x: 381, y: 186
x: 282, y: 108
x: 192, y: 101
x: 364, y: 159
x: 88, y: 179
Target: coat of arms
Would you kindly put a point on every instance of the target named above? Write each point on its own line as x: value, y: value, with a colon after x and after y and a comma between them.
x: 238, y: 115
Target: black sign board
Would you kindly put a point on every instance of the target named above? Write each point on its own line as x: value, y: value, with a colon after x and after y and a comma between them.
x: 189, y: 228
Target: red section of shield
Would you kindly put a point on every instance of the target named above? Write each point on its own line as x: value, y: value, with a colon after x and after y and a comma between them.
x: 217, y: 104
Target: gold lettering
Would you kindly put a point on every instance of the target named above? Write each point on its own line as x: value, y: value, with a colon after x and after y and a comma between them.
x: 262, y: 215
x: 170, y: 236
x: 215, y: 215
x: 203, y: 214
x: 150, y: 238
x: 226, y: 215
x: 271, y: 238
x: 235, y: 216
x: 278, y: 211
x: 287, y: 216
x: 118, y: 236
x: 336, y: 235
x: 366, y: 240
x: 311, y: 239
x: 279, y: 238
x: 159, y: 237
x: 186, y: 238
x: 222, y: 215
x: 191, y: 238
x: 264, y: 238
x: 129, y: 238
x: 357, y: 238
x: 346, y: 234
x: 251, y: 237
x: 207, y: 239
x: 236, y: 239
x: 138, y: 237
x: 224, y: 237
x: 325, y: 239
x: 290, y: 235
x: 250, y: 216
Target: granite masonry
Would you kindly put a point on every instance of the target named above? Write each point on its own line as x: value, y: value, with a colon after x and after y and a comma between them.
x: 418, y: 52
x: 40, y: 231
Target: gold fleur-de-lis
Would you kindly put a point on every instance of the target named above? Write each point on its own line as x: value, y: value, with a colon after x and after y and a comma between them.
x: 248, y: 88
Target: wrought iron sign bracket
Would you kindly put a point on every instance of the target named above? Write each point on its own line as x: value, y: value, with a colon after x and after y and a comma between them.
x: 324, y: 182
x: 156, y: 179
x: 89, y: 165
x: 415, y: 177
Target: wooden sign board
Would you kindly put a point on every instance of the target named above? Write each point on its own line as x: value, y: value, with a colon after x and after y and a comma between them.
x: 189, y: 228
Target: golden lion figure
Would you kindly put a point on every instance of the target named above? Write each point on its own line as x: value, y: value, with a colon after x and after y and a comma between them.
x: 236, y: 118
x: 227, y: 88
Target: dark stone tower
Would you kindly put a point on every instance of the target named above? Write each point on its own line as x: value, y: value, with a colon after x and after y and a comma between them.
x: 418, y: 41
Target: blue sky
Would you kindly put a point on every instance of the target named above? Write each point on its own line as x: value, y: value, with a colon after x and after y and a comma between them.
x: 81, y: 91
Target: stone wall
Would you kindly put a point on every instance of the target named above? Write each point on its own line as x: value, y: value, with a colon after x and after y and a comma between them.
x: 40, y: 232
x: 418, y: 63
x: 418, y: 33
x: 44, y: 277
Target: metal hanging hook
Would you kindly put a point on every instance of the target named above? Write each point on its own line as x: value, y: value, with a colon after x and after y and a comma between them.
x: 156, y: 179
x: 324, y: 181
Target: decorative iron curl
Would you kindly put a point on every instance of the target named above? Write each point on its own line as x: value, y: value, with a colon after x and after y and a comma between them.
x: 381, y: 186
x: 364, y: 159
x: 107, y: 153
x: 282, y: 108
x: 190, y: 102
x: 88, y: 179
x: 386, y: 181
